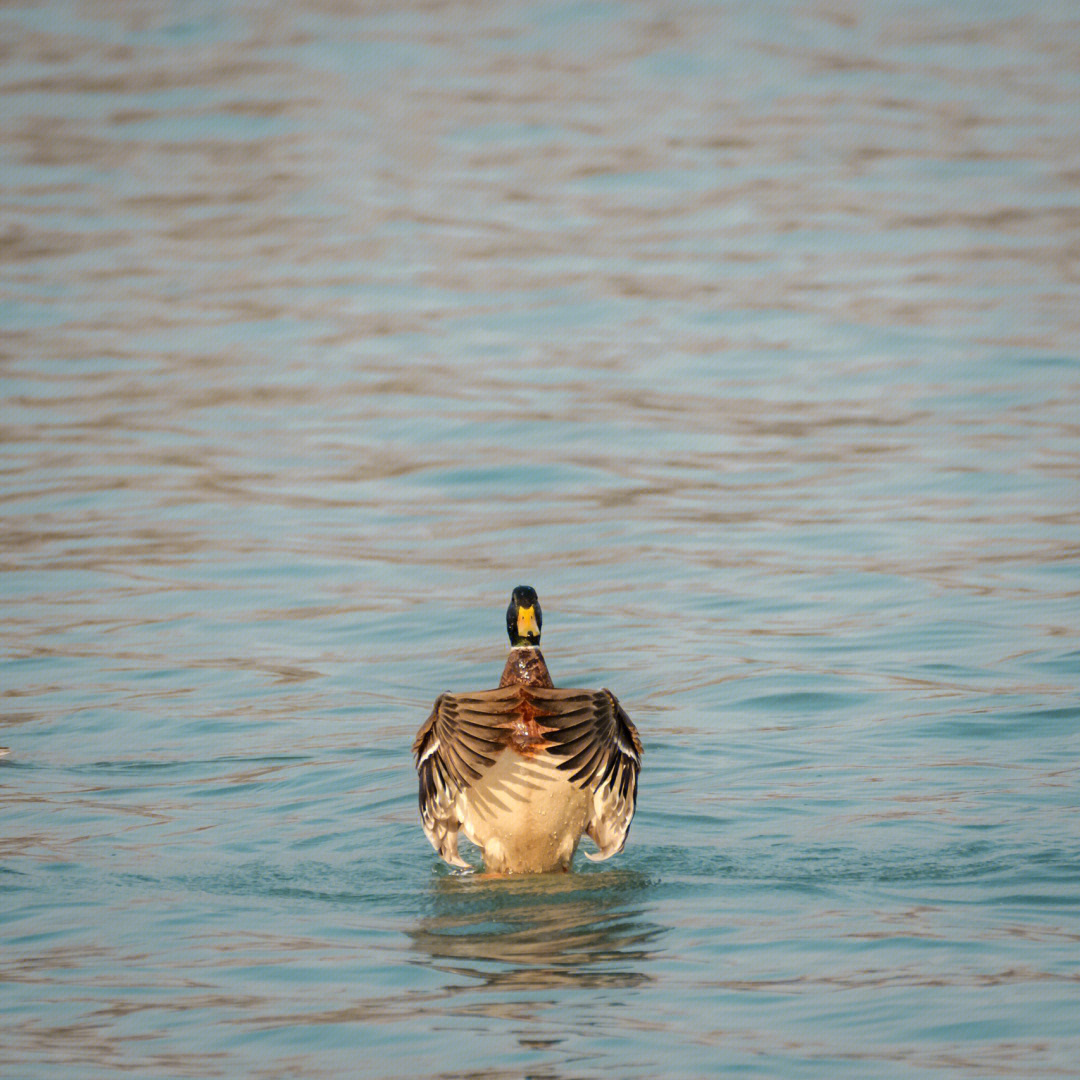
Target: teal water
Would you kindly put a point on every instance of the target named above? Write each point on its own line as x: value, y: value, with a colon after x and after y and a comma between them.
x: 748, y: 334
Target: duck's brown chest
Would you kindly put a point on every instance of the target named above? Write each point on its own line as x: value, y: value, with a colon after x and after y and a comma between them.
x: 525, y: 666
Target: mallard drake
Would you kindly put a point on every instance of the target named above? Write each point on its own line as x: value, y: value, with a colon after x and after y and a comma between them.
x: 526, y: 769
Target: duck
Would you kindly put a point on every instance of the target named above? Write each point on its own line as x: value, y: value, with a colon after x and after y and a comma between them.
x: 526, y: 769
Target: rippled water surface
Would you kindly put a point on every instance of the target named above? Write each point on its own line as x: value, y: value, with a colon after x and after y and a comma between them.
x: 748, y: 333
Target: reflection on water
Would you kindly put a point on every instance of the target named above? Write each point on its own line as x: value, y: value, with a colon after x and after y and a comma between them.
x: 555, y: 930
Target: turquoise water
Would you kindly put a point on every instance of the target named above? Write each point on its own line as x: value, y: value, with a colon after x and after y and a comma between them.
x: 748, y: 334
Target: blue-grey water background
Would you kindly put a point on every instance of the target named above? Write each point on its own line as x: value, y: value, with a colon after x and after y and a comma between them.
x: 748, y: 333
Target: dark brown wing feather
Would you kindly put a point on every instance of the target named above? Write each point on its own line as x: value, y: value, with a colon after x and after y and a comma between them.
x: 457, y: 743
x: 602, y: 753
x: 587, y: 730
x: 592, y: 733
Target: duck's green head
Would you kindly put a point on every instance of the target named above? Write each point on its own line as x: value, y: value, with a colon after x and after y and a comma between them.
x: 523, y: 617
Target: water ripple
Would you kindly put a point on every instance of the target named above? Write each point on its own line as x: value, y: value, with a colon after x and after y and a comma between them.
x: 748, y: 335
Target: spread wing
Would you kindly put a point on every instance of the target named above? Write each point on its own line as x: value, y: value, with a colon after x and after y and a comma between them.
x: 587, y: 730
x: 602, y: 753
x: 457, y: 743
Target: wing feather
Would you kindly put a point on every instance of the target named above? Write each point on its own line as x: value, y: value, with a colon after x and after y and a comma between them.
x: 454, y: 747
x: 599, y: 747
x: 587, y: 731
